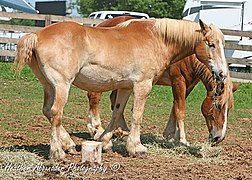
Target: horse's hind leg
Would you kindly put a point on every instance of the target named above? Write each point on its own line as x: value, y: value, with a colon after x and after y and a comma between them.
x: 179, y: 94
x: 66, y: 142
x: 94, y: 127
x: 60, y: 139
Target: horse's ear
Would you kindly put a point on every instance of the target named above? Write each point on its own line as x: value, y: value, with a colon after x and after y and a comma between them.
x: 235, y: 87
x: 205, y: 28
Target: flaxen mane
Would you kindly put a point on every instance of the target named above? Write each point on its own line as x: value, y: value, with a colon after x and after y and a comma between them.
x: 227, y: 96
x: 172, y: 30
x: 178, y: 31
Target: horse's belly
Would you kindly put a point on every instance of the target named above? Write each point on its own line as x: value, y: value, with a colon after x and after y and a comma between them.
x: 100, y: 80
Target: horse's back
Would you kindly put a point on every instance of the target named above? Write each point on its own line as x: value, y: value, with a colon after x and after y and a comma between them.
x: 115, y: 21
x: 64, y: 34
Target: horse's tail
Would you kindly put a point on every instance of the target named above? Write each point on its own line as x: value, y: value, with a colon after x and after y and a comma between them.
x: 25, y: 49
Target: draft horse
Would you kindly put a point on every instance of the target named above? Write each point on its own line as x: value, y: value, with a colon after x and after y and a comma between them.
x: 182, y: 76
x: 129, y: 57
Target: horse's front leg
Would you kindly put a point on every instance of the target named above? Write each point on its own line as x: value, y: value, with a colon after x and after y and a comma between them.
x: 141, y: 91
x: 121, y: 100
x: 94, y: 127
x: 171, y: 127
x: 122, y: 128
x: 179, y: 94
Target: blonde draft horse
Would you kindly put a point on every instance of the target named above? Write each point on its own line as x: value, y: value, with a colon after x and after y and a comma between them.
x: 182, y: 76
x: 130, y: 58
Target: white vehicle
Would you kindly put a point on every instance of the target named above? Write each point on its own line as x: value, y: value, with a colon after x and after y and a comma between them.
x: 226, y: 14
x: 112, y: 14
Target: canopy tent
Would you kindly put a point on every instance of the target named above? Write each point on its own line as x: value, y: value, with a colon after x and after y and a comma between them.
x: 20, y: 5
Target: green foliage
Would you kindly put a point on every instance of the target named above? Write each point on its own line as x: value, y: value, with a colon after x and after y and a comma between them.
x: 22, y: 22
x: 243, y: 98
x: 155, y: 8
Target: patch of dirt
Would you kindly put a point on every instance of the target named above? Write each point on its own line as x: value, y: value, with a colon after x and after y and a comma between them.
x: 234, y: 161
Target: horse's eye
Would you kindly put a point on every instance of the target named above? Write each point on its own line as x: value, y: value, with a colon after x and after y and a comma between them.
x: 211, y: 44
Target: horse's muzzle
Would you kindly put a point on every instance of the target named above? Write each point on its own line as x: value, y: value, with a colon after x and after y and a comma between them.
x: 215, y: 138
x: 218, y: 76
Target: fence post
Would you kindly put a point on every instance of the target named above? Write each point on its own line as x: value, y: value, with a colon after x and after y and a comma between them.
x: 48, y: 20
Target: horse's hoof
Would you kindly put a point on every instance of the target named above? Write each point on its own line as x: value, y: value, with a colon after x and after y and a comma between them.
x: 57, y: 155
x: 72, y: 150
x: 184, y: 143
x: 107, y: 147
x: 91, y: 129
x: 139, y: 150
x: 120, y: 133
x: 98, y: 133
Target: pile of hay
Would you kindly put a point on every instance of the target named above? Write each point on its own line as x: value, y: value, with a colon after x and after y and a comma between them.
x: 158, y: 145
x: 19, y: 164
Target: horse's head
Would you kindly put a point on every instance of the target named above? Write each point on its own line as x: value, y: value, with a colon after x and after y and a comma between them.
x: 215, y: 110
x: 211, y: 51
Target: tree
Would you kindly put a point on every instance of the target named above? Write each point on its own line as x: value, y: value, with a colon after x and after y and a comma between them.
x: 155, y: 8
x: 23, y: 22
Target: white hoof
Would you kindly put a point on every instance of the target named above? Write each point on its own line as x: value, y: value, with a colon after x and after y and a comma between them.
x: 57, y: 154
x: 72, y: 150
x: 98, y: 133
x: 106, y: 147
x: 184, y: 143
x: 119, y: 132
x: 95, y: 132
x: 137, y: 150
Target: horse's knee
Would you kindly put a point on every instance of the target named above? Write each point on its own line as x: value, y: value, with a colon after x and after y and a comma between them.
x: 47, y: 112
x: 53, y: 114
x: 94, y: 98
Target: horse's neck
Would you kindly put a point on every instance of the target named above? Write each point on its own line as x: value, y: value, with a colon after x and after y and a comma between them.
x: 180, y: 52
x: 201, y: 71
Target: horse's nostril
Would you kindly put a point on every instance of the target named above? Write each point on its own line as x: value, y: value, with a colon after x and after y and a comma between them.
x: 214, y: 75
x: 221, y: 74
x: 216, y: 138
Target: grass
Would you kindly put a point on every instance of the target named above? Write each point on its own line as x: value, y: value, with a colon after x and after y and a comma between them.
x: 22, y: 98
x: 21, y: 101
